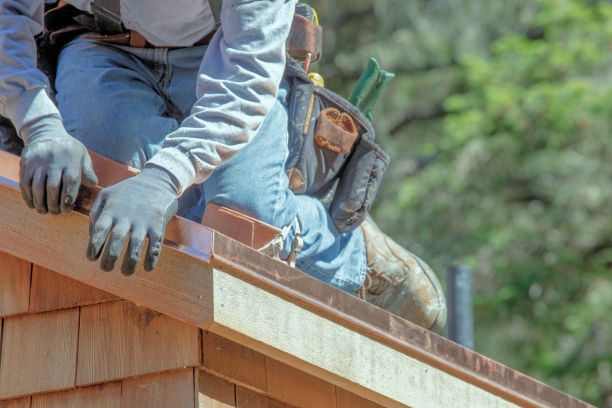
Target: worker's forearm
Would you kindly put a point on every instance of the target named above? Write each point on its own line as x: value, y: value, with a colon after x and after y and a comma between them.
x: 237, y: 85
x: 23, y: 97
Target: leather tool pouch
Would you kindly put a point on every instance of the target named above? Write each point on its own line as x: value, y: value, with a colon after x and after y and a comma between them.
x: 305, y: 38
x: 333, y: 155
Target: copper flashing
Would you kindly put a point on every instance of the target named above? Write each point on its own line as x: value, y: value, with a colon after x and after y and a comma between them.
x: 242, y: 228
x: 181, y: 233
x: 110, y: 172
x: 233, y: 224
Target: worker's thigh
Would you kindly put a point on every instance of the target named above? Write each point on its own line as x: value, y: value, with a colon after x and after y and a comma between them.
x: 113, y: 99
x: 254, y: 181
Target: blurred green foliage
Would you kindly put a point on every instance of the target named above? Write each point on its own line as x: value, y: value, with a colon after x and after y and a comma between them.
x: 499, y: 125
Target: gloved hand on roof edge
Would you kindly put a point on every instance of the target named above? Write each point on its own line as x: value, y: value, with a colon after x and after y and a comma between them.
x: 53, y: 164
x: 138, y: 207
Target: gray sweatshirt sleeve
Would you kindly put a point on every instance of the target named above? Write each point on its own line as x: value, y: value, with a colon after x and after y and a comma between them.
x: 23, y: 88
x: 237, y: 85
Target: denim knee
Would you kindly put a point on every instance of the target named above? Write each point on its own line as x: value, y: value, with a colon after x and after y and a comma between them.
x: 253, y: 202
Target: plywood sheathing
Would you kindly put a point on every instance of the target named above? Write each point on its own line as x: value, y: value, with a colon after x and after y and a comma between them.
x: 39, y: 353
x: 52, y: 291
x: 14, y: 285
x: 98, y: 396
x: 119, y: 340
x: 169, y: 389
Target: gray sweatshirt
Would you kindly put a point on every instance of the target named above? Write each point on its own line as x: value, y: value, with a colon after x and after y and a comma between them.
x: 237, y: 82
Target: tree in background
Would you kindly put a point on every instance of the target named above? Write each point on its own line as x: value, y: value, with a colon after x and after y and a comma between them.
x: 500, y: 129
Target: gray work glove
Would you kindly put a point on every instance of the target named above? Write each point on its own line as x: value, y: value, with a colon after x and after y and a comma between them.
x: 138, y: 207
x: 53, y: 164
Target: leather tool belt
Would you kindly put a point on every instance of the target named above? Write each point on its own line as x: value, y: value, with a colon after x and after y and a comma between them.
x: 135, y: 39
x: 64, y: 22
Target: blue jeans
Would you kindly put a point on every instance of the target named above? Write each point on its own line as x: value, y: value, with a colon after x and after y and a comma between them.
x: 122, y: 102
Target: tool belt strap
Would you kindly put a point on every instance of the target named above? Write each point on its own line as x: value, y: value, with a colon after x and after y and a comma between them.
x: 137, y: 40
x: 64, y: 22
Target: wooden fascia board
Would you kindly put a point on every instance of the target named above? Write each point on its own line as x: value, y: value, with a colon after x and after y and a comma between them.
x: 374, y: 323
x: 197, y: 260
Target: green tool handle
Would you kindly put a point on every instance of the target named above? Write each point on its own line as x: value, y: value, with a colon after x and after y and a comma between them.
x: 369, y: 87
x: 374, y: 95
x: 365, y: 83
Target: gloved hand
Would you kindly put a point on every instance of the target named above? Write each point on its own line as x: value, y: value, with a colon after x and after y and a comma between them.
x: 138, y: 207
x: 53, y: 164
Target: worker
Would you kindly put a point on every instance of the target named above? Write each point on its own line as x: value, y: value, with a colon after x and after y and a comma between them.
x: 201, y: 108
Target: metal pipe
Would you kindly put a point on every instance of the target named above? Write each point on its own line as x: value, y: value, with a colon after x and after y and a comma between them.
x: 460, y: 323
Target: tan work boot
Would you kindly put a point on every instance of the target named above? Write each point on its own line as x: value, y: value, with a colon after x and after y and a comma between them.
x: 400, y: 282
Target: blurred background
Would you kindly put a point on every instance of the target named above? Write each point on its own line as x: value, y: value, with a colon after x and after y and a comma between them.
x: 499, y: 125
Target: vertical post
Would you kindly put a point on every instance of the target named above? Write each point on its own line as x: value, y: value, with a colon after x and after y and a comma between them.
x: 460, y: 324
